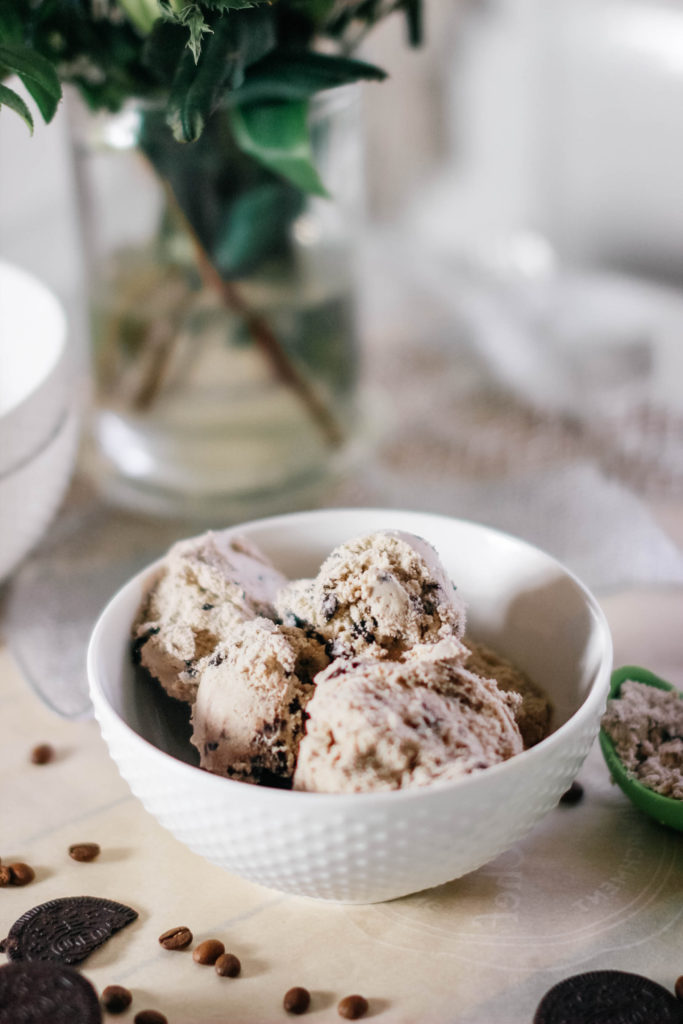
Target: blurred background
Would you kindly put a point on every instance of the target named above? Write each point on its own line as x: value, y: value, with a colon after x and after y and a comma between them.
x: 518, y: 286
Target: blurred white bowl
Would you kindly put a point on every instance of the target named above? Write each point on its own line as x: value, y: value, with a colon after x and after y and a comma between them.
x: 363, y: 848
x: 33, y: 366
x: 31, y: 494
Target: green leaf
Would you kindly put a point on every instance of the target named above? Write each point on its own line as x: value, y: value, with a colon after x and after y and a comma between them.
x: 233, y: 5
x: 255, y: 226
x: 9, y: 98
x: 413, y: 12
x: 297, y: 75
x: 191, y: 17
x: 163, y: 49
x: 11, y: 28
x: 238, y: 40
x: 37, y: 74
x: 143, y: 13
x: 277, y: 135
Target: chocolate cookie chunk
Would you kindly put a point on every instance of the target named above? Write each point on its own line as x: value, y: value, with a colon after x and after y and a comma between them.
x: 66, y: 930
x: 34, y: 993
x: 615, y: 996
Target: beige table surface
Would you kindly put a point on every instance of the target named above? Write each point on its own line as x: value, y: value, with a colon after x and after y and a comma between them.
x: 594, y: 886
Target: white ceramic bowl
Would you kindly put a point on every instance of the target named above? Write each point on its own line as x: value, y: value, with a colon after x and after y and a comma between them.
x: 33, y: 366
x: 363, y: 848
x: 31, y: 494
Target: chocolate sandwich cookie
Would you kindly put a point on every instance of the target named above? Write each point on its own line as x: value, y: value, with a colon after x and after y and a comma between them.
x: 66, y: 930
x: 36, y: 992
x: 615, y: 996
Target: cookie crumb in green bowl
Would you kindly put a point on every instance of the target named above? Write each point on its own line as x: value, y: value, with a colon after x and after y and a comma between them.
x: 642, y: 742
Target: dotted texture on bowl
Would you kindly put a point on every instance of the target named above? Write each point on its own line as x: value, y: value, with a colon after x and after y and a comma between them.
x: 364, y: 853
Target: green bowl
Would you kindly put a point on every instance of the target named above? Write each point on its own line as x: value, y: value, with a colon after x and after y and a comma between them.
x: 663, y: 809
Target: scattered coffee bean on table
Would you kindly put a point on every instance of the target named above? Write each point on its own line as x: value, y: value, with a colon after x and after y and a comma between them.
x: 208, y: 951
x: 352, y: 1007
x: 176, y: 938
x: 149, y: 1017
x: 228, y: 965
x: 67, y: 930
x: 297, y: 1000
x: 678, y: 987
x: 42, y: 992
x: 84, y: 851
x: 5, y: 875
x: 615, y: 996
x: 572, y: 795
x: 21, y: 874
x: 116, y: 998
x: 42, y: 754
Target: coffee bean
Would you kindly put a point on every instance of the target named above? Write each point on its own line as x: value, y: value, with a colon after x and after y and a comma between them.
x: 352, y: 1007
x: 21, y: 874
x: 84, y: 851
x: 5, y: 875
x: 297, y: 1000
x: 116, y: 998
x: 678, y: 987
x: 176, y: 938
x: 42, y: 754
x: 573, y: 795
x: 149, y: 1017
x: 228, y: 965
x: 208, y: 951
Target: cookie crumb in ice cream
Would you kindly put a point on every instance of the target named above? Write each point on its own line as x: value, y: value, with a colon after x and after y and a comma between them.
x: 645, y: 725
x: 376, y: 725
x: 534, y: 712
x: 206, y: 586
x: 360, y: 678
x: 384, y: 593
x: 253, y: 690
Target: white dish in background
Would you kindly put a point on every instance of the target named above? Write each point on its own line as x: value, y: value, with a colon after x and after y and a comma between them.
x: 364, y: 848
x: 31, y: 494
x: 33, y: 366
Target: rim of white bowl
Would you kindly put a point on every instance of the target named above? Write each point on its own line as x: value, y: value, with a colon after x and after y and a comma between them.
x: 594, y: 699
x: 67, y: 416
x: 11, y: 278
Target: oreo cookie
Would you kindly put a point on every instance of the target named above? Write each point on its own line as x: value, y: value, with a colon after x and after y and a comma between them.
x: 66, y: 930
x: 608, y: 997
x: 34, y: 993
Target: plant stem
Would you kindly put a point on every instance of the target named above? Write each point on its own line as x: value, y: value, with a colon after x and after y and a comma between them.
x: 261, y: 333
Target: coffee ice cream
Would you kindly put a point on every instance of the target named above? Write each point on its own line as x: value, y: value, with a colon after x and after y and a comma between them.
x: 248, y: 717
x: 206, y: 587
x: 378, y: 595
x: 376, y: 725
x: 534, y: 710
x: 355, y: 680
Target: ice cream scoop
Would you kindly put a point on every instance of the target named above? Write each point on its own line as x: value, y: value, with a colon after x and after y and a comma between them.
x: 383, y: 593
x: 666, y: 810
x: 375, y: 725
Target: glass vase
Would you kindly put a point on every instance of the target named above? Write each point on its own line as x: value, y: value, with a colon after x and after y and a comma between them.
x: 225, y: 356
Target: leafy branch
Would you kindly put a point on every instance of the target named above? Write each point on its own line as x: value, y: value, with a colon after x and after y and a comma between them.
x: 251, y: 67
